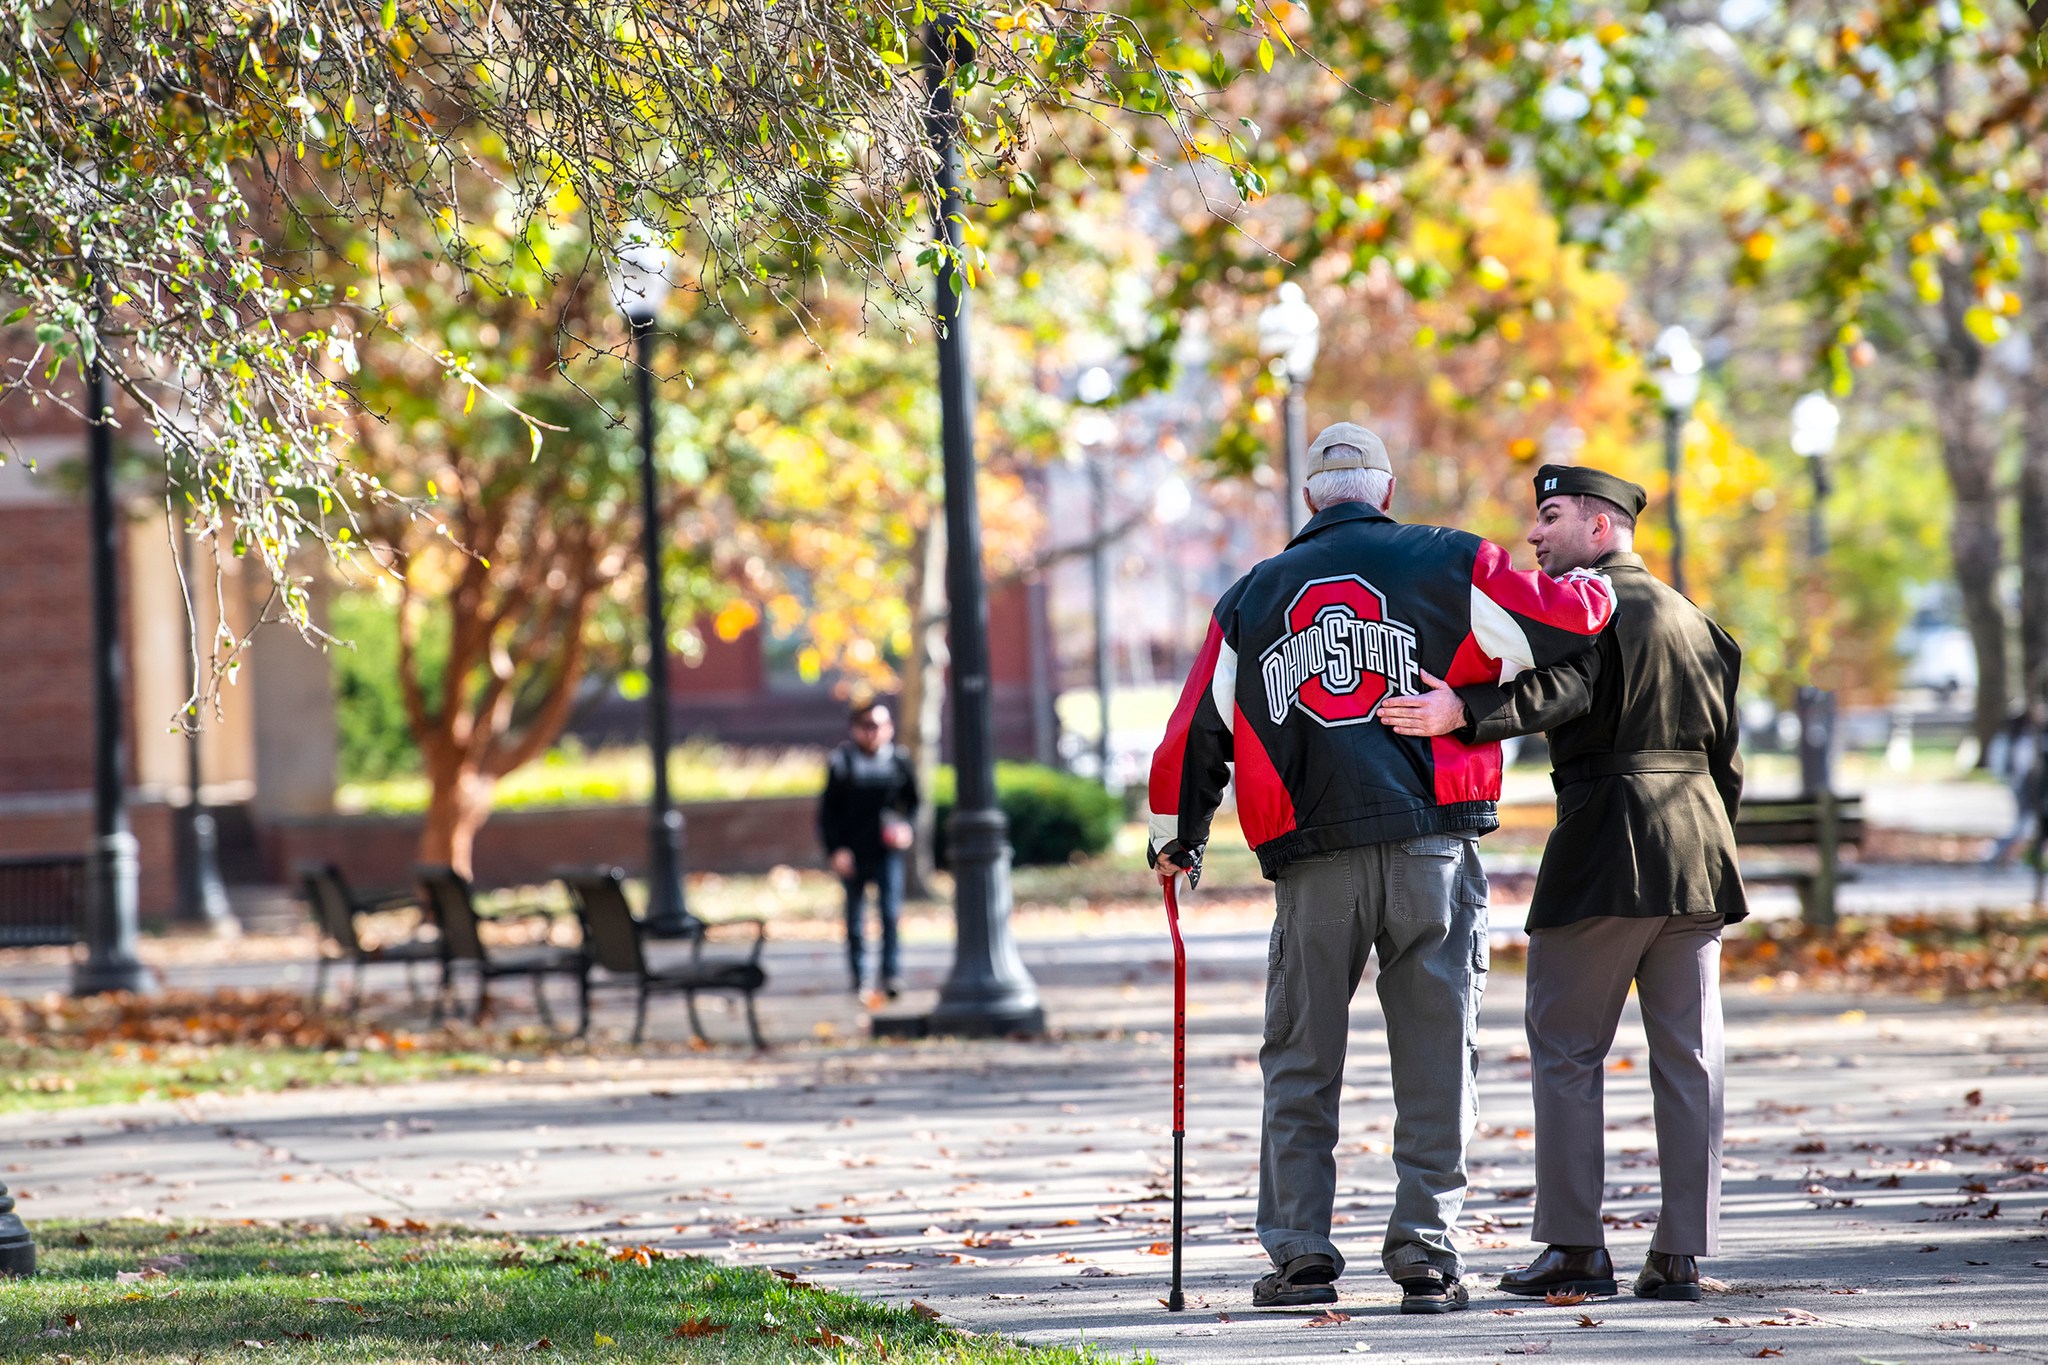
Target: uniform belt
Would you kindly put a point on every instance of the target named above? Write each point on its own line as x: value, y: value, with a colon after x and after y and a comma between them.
x: 1615, y: 765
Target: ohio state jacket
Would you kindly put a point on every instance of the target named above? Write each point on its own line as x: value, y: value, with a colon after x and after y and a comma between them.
x: 1302, y: 650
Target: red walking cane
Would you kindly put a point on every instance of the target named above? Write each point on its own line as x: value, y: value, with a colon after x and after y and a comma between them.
x: 1174, y: 1302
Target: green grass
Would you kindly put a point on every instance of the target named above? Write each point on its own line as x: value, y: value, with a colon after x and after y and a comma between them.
x: 39, y: 1078
x: 417, y: 1294
x: 569, y: 777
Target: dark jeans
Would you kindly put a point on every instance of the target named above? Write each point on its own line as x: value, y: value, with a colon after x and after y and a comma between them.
x: 886, y: 876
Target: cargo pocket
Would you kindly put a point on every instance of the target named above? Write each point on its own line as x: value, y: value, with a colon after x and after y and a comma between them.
x: 1428, y: 876
x: 1279, y: 1022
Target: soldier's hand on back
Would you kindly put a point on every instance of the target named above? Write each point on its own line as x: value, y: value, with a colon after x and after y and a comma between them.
x: 1435, y: 712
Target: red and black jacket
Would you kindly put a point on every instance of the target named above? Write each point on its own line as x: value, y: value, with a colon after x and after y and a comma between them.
x: 1302, y: 650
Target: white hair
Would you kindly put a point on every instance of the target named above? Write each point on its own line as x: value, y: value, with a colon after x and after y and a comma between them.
x: 1333, y: 486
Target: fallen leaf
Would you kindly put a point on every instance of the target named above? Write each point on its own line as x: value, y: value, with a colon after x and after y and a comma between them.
x: 1974, y: 1098
x: 697, y: 1327
x: 825, y: 1336
x: 541, y: 1345
x: 1329, y: 1317
x: 1766, y: 1353
x: 1530, y: 1348
x: 1158, y: 1249
x: 924, y: 1310
x: 600, y: 1339
x: 889, y: 1265
x: 1953, y: 1326
x: 1508, y: 1312
x: 593, y: 1272
x: 1565, y: 1300
x: 1588, y: 1320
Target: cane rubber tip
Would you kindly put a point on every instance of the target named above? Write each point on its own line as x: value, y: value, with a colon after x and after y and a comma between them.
x: 1175, y: 1303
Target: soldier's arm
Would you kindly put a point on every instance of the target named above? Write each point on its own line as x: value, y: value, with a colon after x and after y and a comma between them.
x: 1541, y: 699
x: 1724, y: 760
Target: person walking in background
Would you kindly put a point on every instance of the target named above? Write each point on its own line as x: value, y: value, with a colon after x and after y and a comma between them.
x: 1638, y: 879
x: 2017, y: 757
x: 865, y: 822
x: 1368, y: 837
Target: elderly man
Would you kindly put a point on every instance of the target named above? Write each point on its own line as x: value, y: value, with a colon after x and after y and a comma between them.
x: 1637, y: 880
x: 1368, y: 836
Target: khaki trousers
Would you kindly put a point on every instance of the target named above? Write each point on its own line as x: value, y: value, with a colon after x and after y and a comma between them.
x: 1579, y: 976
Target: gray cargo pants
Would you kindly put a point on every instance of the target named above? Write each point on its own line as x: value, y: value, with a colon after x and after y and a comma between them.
x: 1421, y: 905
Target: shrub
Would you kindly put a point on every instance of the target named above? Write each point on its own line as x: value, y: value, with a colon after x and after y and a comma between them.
x: 1054, y: 816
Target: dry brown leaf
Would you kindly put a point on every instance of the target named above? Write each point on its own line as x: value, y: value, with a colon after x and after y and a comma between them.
x: 1953, y: 1326
x: 924, y: 1310
x: 1588, y: 1320
x: 1565, y: 1300
x: 1765, y: 1353
x: 543, y: 1344
x: 1158, y: 1249
x: 697, y: 1327
x: 1329, y: 1317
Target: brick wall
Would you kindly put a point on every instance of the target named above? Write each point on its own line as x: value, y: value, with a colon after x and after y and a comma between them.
x: 521, y: 848
x: 45, y: 658
x: 65, y: 826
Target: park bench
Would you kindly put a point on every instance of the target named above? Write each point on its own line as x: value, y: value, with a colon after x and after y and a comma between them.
x: 334, y: 907
x: 612, y: 938
x: 1823, y: 824
x: 449, y: 898
x: 42, y: 900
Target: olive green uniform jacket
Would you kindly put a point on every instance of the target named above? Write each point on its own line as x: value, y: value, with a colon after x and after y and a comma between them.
x: 1642, y: 731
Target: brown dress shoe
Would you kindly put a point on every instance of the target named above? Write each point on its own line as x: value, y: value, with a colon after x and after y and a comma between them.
x: 1563, y: 1270
x: 1669, y: 1277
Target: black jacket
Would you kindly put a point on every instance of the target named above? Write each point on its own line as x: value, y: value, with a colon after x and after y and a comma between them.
x: 1642, y: 732
x: 861, y: 790
x: 1302, y: 650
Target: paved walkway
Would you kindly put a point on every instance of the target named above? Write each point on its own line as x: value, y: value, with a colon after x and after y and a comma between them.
x: 1887, y: 1199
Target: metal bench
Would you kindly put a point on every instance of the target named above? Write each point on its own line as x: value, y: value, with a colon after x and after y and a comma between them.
x: 1823, y: 823
x: 612, y: 938
x: 42, y: 901
x: 335, y: 906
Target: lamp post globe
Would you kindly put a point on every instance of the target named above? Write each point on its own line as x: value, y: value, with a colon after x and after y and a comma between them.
x: 638, y: 276
x: 1678, y: 384
x: 1290, y: 334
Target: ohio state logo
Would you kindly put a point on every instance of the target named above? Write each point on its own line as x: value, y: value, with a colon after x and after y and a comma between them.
x: 1341, y: 657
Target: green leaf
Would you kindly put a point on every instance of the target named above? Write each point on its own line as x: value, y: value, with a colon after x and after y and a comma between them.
x: 16, y: 316
x: 1265, y: 54
x: 389, y: 15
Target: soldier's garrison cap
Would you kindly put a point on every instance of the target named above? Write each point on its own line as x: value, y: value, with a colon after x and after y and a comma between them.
x: 1559, y: 480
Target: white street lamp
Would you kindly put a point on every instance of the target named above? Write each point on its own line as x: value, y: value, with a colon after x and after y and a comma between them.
x: 1678, y: 380
x: 1815, y: 424
x: 638, y: 274
x: 1290, y: 334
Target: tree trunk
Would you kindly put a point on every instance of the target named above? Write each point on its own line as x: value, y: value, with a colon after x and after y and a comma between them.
x: 924, y: 695
x: 1969, y: 451
x: 2034, y: 498
x: 458, y: 803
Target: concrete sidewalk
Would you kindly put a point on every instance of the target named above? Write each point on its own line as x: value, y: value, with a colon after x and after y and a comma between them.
x: 1888, y: 1170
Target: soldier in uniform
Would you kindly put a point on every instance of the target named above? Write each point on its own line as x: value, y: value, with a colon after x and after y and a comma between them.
x: 1638, y: 879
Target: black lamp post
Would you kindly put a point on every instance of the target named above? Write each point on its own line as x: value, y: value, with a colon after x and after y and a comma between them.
x: 1290, y: 334
x: 1815, y: 424
x: 17, y: 1247
x: 988, y: 992
x: 202, y: 895
x: 1678, y: 381
x: 110, y: 963
x: 639, y: 283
